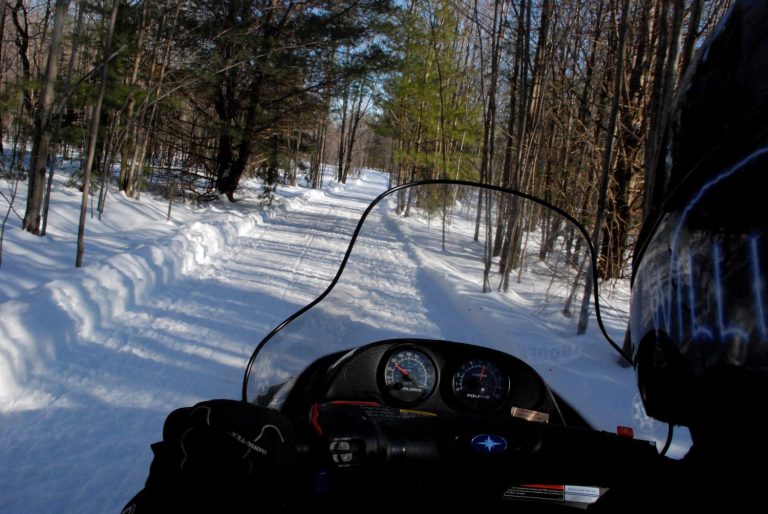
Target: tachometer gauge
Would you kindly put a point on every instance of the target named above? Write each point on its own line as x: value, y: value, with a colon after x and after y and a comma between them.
x: 409, y: 375
x: 479, y: 385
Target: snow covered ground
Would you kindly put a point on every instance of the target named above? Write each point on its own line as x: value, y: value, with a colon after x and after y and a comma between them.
x: 163, y: 315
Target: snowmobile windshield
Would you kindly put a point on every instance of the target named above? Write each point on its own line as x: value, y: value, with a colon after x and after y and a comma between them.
x: 464, y: 263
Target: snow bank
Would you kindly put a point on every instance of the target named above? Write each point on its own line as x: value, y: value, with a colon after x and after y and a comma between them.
x: 64, y: 313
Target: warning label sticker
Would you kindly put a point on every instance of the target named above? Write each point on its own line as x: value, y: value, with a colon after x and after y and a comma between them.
x: 570, y: 494
x: 536, y: 492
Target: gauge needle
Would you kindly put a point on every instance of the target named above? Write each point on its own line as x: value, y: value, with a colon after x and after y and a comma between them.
x: 482, y: 372
x: 403, y: 371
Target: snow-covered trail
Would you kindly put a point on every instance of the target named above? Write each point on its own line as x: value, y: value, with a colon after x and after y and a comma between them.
x: 185, y: 342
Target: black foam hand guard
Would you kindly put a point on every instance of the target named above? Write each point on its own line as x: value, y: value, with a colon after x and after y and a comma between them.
x: 220, y: 456
x: 231, y: 442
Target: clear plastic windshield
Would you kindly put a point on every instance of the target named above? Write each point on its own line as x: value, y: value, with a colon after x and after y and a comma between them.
x: 458, y: 263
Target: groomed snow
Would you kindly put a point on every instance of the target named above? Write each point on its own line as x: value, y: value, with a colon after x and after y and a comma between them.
x: 163, y: 315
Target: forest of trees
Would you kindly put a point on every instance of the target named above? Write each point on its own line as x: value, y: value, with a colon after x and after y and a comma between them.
x: 561, y: 99
x: 565, y: 99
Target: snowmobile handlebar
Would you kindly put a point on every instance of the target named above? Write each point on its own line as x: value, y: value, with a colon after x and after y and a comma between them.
x: 360, y: 445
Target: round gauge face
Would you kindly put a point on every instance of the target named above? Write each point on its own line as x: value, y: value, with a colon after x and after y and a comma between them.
x: 479, y: 385
x: 409, y: 375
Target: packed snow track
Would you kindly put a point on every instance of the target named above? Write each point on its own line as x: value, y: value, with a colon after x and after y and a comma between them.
x: 92, y: 364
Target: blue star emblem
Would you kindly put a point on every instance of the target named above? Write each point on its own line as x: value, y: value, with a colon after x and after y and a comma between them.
x: 487, y: 443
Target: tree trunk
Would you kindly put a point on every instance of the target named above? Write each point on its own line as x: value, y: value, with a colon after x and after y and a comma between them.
x: 41, y: 137
x: 316, y: 166
x: 489, y: 138
x: 513, y: 236
x: 60, y: 112
x: 357, y: 114
x: 607, y: 160
x: 228, y: 183
x: 342, y: 135
x: 629, y: 140
x: 94, y: 133
x: 128, y: 147
x: 150, y: 130
x: 295, y: 167
x: 3, y: 10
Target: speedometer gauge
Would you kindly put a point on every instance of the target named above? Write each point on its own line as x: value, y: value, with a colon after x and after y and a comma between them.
x: 479, y: 385
x: 409, y: 375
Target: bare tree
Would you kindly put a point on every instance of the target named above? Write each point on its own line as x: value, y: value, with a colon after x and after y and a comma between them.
x: 607, y: 160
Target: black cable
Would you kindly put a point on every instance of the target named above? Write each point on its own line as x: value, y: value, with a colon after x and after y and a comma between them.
x: 670, y: 432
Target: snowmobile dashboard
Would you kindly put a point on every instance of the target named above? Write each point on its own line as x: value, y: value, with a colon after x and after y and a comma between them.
x: 442, y: 422
x: 436, y: 378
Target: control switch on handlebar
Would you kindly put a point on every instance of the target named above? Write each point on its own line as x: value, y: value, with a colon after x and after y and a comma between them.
x: 345, y: 452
